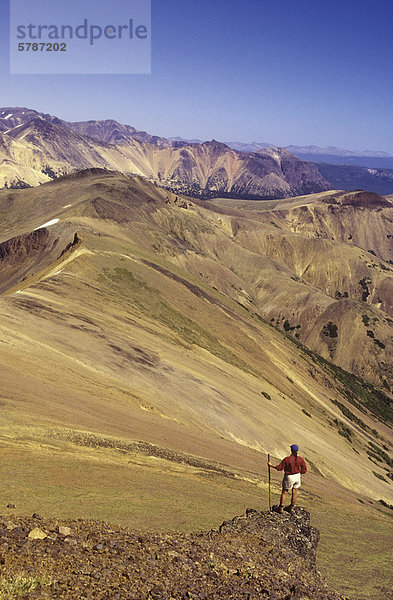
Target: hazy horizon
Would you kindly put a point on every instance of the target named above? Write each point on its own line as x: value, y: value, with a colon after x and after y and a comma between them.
x: 232, y: 141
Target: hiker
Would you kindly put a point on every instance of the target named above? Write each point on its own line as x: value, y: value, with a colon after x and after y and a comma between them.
x: 292, y: 466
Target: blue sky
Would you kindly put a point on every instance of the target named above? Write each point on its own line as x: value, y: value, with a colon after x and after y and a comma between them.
x: 290, y: 72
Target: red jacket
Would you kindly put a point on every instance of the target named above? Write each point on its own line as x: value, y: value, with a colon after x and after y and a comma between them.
x: 292, y: 464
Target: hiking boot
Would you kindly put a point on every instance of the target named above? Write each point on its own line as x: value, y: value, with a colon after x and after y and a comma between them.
x: 281, y: 509
x: 291, y: 507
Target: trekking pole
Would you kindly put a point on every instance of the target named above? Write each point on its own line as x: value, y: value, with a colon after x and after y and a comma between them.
x: 270, y: 503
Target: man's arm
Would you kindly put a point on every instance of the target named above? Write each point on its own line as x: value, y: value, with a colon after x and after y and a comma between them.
x: 278, y: 467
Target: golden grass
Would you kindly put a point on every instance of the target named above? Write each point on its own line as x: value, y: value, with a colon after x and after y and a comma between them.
x: 60, y: 480
x: 123, y: 488
x: 355, y: 550
x: 17, y: 586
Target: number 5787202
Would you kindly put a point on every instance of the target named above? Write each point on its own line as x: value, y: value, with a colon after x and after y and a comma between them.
x: 42, y: 47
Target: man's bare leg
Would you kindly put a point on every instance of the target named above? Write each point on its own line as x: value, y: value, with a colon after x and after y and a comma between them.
x: 283, y: 497
x: 294, y: 497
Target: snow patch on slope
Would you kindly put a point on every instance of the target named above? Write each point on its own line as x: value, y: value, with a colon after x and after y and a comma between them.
x: 52, y: 222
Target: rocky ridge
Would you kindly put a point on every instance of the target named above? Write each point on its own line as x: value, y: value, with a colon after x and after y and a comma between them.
x: 256, y: 555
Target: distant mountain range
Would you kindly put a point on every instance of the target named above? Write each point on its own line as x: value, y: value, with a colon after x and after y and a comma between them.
x: 37, y: 147
x: 337, y: 156
x: 331, y: 154
x: 374, y: 159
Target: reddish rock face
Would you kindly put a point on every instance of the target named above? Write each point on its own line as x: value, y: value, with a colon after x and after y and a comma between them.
x: 24, y: 255
x: 364, y: 199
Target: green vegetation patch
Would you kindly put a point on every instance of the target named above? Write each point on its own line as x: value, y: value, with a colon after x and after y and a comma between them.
x: 364, y: 283
x: 150, y: 303
x: 376, y: 452
x: 18, y: 586
x: 379, y: 476
x: 49, y: 171
x: 330, y: 330
x: 357, y: 389
x: 362, y: 394
x: 349, y: 414
x: 287, y: 326
x: 379, y: 344
x: 359, y: 392
x: 366, y: 320
x: 338, y: 295
x: 343, y: 430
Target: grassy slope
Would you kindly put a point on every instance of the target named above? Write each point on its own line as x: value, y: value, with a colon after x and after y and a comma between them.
x: 124, y: 342
x: 354, y: 551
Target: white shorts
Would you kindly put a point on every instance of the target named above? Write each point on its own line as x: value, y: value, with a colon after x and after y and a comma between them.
x: 291, y: 481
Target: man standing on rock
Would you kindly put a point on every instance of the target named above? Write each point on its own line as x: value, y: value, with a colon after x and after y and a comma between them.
x: 292, y: 466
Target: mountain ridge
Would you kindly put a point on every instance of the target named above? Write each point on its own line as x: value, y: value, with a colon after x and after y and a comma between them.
x: 115, y: 133
x: 36, y: 147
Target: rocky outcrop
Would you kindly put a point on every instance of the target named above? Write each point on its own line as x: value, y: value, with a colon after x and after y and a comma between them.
x: 257, y: 555
x: 31, y: 254
x: 16, y: 249
x: 359, y: 199
x: 290, y: 531
x: 18, y: 254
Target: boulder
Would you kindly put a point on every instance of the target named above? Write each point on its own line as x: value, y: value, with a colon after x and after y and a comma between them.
x: 37, y: 534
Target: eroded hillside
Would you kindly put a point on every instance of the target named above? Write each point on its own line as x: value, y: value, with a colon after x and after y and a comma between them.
x: 336, y: 252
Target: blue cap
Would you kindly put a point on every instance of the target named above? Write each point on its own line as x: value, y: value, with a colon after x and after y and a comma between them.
x: 295, y: 448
